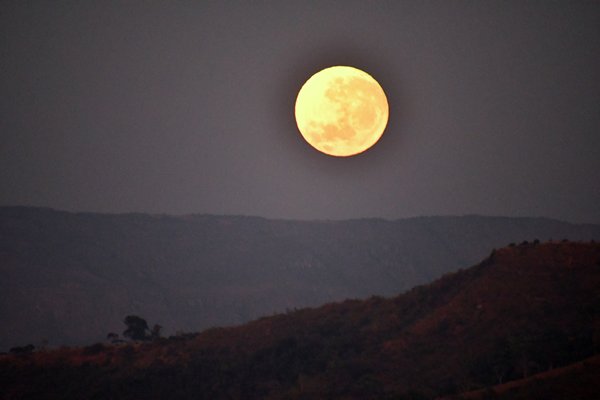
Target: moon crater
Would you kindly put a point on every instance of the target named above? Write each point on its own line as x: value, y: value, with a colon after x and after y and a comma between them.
x: 341, y: 111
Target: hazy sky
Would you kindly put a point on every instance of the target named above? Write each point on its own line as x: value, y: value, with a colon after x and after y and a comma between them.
x: 187, y: 107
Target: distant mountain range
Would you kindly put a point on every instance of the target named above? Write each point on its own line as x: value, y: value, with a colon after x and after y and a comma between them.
x: 522, y: 324
x: 70, y: 278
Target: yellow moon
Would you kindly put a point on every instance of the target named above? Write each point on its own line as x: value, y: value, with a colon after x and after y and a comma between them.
x: 341, y: 111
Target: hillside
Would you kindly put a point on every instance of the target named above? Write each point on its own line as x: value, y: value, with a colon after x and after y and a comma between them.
x: 524, y: 310
x: 71, y: 278
x: 578, y: 380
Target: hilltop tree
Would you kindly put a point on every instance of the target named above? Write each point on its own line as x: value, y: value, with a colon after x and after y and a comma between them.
x: 113, y: 337
x: 137, y: 328
x: 155, y: 333
x: 22, y: 349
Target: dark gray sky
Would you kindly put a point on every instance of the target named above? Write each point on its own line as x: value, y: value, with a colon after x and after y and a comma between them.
x: 181, y: 107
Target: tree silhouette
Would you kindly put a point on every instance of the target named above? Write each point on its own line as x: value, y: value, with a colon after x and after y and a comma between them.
x: 22, y: 349
x: 155, y: 333
x: 112, y: 337
x: 137, y: 328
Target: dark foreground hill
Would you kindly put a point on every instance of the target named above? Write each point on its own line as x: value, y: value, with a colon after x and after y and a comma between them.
x: 578, y: 380
x: 524, y: 310
x: 71, y: 278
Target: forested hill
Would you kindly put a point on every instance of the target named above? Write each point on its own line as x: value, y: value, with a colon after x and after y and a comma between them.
x: 71, y: 278
x: 525, y: 310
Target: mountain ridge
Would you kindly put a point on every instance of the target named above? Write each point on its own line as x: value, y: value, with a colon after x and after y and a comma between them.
x: 282, y: 219
x: 71, y: 278
x: 523, y: 310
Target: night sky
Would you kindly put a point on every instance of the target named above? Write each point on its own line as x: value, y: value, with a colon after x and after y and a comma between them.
x: 188, y: 107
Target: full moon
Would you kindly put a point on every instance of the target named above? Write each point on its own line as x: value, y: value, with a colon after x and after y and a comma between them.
x: 341, y: 111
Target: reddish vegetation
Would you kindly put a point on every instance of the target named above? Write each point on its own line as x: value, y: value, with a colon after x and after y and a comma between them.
x: 70, y: 278
x: 526, y: 309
